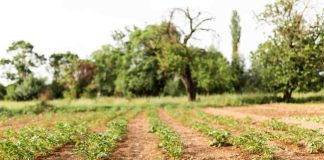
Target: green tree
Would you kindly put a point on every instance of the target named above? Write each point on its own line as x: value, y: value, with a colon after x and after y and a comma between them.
x: 139, y: 72
x: 237, y: 65
x: 62, y: 65
x: 212, y: 72
x: 106, y: 60
x: 292, y: 58
x: 177, y: 56
x: 24, y: 59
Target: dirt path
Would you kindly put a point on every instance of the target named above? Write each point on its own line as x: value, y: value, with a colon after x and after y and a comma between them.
x: 240, y: 114
x: 62, y: 154
x: 138, y: 144
x: 197, y: 146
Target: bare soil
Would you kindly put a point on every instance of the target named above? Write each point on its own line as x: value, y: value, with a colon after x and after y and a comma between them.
x: 62, y: 154
x: 139, y: 144
x: 278, y: 111
x: 18, y: 122
x: 197, y: 146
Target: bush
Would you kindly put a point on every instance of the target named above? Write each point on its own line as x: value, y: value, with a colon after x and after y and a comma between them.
x: 28, y: 89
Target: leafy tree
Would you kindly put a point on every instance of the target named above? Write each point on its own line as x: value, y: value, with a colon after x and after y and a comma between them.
x: 79, y: 78
x: 212, y: 72
x: 107, y: 63
x: 62, y: 64
x: 293, y: 57
x: 139, y: 72
x: 237, y: 65
x: 73, y: 74
x: 177, y: 56
x: 23, y: 60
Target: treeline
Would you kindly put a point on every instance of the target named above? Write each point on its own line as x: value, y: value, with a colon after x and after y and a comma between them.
x: 160, y: 60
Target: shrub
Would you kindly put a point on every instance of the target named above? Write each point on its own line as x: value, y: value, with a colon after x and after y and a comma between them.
x: 28, y: 89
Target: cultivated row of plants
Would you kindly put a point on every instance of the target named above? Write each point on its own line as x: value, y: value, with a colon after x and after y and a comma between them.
x: 29, y: 143
x: 317, y: 119
x: 312, y: 140
x: 170, y: 141
x: 101, y: 145
x: 33, y: 142
x: 248, y: 141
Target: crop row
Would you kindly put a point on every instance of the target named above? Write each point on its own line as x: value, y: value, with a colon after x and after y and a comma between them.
x: 32, y: 142
x: 247, y: 141
x: 170, y: 141
x: 28, y: 143
x: 101, y: 145
x: 312, y: 140
x: 317, y: 119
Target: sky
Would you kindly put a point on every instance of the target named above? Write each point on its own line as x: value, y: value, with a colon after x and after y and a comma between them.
x: 83, y: 26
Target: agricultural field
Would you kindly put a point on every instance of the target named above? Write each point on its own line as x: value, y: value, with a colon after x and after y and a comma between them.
x: 162, y: 80
x: 160, y: 128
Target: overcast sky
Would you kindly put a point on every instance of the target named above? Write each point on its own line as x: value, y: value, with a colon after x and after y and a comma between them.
x: 82, y: 26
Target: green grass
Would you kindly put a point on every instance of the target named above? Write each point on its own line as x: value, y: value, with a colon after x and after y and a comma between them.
x: 202, y: 100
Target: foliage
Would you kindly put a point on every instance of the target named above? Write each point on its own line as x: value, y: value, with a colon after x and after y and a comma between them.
x: 212, y: 72
x: 23, y: 60
x: 237, y: 65
x: 107, y: 61
x: 291, y: 60
x: 63, y: 65
x: 3, y: 92
x: 27, y: 89
x: 173, y: 87
x: 140, y: 73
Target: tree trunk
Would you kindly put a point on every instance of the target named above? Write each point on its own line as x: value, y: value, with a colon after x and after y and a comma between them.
x: 187, y: 81
x: 287, y: 95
